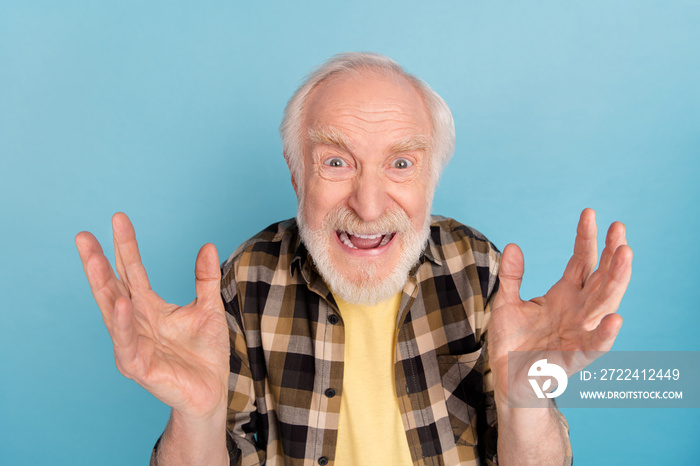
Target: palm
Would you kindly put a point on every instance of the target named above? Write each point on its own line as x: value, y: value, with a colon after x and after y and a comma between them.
x: 179, y: 354
x: 182, y: 352
x: 577, y: 315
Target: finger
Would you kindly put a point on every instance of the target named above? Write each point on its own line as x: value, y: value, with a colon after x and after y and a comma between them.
x: 510, y: 274
x: 608, y: 296
x: 124, y: 337
x: 603, y: 336
x: 87, y: 245
x: 104, y: 284
x: 207, y: 275
x: 613, y: 240
x: 127, y: 256
x: 585, y: 255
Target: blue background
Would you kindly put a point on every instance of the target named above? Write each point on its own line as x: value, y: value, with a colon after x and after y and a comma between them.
x: 169, y: 111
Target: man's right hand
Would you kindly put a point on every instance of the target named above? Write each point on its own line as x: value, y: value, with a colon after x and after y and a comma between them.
x: 179, y: 354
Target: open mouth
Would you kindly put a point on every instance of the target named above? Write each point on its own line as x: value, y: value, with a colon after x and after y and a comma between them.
x: 357, y: 241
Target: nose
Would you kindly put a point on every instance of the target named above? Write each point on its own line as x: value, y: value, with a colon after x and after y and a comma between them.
x: 369, y: 197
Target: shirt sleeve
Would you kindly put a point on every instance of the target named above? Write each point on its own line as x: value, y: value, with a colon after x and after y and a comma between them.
x: 242, y: 421
x: 487, y: 422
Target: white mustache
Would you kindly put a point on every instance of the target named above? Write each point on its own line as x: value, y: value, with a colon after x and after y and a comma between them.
x: 345, y: 219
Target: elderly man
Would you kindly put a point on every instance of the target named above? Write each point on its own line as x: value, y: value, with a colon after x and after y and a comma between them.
x: 357, y: 332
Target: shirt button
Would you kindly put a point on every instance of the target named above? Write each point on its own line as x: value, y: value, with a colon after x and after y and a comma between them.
x: 323, y: 461
x: 330, y: 393
x: 333, y: 319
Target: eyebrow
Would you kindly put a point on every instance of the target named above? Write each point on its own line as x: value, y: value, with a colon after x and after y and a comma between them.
x: 333, y: 137
x: 410, y: 144
x: 329, y: 136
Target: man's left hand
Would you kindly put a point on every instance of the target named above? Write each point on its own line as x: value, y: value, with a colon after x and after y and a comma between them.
x: 578, y: 314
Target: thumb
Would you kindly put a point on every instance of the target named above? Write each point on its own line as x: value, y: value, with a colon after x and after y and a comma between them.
x: 510, y: 274
x: 207, y: 274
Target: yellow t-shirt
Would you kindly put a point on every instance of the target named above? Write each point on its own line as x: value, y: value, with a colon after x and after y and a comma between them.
x: 370, y: 430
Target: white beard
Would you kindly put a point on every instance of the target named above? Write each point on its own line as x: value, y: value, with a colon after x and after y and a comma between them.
x: 364, y: 285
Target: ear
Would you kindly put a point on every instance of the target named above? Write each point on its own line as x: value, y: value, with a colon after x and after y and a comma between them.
x: 294, y: 185
x: 291, y: 174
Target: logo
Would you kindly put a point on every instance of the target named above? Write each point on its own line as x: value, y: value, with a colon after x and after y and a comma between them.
x: 542, y: 368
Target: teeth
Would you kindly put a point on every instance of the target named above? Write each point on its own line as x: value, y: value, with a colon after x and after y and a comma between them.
x: 369, y: 236
x: 386, y: 239
x: 346, y: 241
x: 345, y: 238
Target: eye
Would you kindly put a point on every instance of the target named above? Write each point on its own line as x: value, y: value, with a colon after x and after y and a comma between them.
x: 335, y: 162
x: 401, y: 163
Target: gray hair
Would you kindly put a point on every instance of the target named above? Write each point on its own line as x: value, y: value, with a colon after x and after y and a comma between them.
x: 292, y: 131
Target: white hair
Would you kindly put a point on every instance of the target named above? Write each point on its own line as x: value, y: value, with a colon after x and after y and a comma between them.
x: 292, y: 131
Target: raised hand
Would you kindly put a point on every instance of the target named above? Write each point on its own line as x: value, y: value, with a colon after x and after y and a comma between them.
x: 179, y: 354
x: 578, y: 314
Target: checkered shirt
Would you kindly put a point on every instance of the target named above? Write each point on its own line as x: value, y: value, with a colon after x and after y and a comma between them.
x: 287, y: 347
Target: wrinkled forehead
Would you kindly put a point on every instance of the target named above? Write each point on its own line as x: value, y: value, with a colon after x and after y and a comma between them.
x: 366, y: 94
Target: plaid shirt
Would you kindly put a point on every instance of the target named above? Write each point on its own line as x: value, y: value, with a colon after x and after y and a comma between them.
x: 287, y: 346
